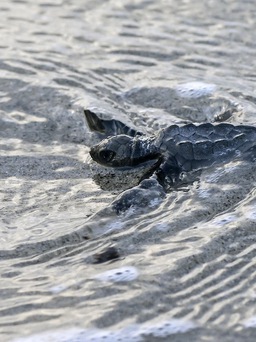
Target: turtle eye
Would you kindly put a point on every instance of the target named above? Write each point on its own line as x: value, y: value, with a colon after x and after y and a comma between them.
x: 107, y: 155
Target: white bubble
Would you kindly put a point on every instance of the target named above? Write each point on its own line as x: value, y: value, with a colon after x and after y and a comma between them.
x: 101, y: 335
x: 250, y: 322
x: 224, y: 219
x: 115, y: 225
x: 162, y: 226
x: 58, y: 288
x: 127, y: 273
x: 195, y: 89
x: 164, y: 329
x: 250, y: 213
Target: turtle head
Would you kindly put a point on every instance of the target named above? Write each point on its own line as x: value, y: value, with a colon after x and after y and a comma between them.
x: 123, y: 150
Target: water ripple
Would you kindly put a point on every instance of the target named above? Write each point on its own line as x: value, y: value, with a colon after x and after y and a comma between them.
x: 187, y: 258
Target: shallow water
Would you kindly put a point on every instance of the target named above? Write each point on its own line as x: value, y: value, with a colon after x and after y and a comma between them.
x: 187, y: 261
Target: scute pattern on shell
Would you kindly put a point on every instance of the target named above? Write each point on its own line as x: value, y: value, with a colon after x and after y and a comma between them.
x: 195, y: 146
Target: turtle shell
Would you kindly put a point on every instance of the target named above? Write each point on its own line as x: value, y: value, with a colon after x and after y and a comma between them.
x: 197, y: 146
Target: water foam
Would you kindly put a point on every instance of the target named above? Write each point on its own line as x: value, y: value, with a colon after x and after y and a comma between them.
x: 132, y: 333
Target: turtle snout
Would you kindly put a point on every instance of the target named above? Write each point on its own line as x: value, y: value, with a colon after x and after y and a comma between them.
x: 93, y: 153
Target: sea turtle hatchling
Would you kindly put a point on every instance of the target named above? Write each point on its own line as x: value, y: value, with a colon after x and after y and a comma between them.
x: 176, y: 149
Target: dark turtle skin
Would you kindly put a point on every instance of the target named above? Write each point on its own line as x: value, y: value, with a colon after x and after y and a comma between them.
x: 177, y: 149
x: 125, y: 151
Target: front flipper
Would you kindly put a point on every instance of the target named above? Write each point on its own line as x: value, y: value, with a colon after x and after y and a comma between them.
x: 107, y: 126
x: 148, y: 194
x: 152, y: 170
x: 168, y: 173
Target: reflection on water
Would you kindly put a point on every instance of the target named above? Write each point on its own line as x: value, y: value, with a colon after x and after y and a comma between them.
x: 186, y: 265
